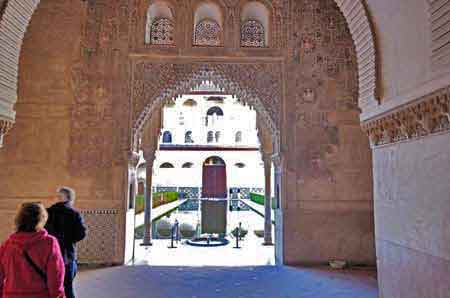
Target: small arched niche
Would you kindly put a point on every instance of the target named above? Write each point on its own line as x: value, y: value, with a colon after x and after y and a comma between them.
x: 238, y: 137
x: 214, y: 111
x: 188, y: 137
x: 160, y: 27
x: 167, y: 137
x: 208, y: 25
x: 188, y: 165
x: 166, y: 165
x: 255, y: 25
x: 214, y: 161
x: 190, y: 103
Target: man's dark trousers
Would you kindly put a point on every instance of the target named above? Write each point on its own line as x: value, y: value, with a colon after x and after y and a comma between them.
x: 71, y: 272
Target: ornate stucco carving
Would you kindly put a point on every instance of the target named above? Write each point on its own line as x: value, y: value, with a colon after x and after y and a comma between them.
x: 17, y: 14
x: 428, y: 115
x: 258, y: 84
x: 5, y: 126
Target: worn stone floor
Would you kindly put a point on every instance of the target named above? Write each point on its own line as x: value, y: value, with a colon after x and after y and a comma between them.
x: 225, y: 282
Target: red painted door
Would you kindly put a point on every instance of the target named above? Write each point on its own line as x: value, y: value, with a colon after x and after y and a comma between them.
x: 214, y: 182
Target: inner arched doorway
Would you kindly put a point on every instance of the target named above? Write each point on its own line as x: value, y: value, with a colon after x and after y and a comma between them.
x: 214, y: 191
x: 214, y: 178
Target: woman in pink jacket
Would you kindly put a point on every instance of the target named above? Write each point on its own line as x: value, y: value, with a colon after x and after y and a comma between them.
x: 31, y: 265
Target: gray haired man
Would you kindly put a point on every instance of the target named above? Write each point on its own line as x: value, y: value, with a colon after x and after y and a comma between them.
x: 67, y: 225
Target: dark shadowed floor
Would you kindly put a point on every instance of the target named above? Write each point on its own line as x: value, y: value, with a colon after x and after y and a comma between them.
x: 221, y: 282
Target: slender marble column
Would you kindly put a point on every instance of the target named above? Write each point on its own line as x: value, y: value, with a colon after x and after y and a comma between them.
x: 148, y: 202
x: 267, y: 158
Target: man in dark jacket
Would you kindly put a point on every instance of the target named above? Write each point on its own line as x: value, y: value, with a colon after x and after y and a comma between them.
x: 66, y: 224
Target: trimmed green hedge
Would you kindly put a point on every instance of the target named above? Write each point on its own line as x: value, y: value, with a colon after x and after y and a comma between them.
x: 159, y: 199
x: 259, y: 199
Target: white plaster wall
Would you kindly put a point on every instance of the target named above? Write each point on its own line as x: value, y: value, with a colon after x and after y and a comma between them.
x: 252, y: 175
x: 412, y: 216
x: 179, y: 119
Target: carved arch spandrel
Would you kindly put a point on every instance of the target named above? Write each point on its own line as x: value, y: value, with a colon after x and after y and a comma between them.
x: 17, y: 14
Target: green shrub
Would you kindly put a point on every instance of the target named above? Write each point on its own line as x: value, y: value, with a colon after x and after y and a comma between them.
x: 259, y: 199
x: 140, y: 204
x: 159, y: 199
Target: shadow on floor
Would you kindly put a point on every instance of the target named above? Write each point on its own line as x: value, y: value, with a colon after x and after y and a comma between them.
x: 220, y: 282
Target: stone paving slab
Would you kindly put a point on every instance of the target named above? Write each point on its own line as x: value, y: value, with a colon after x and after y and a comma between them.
x: 220, y: 282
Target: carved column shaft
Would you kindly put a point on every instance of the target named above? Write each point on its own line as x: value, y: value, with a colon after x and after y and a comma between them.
x: 148, y: 201
x: 267, y: 199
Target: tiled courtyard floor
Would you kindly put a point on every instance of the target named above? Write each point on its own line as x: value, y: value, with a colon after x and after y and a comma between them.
x: 224, y: 282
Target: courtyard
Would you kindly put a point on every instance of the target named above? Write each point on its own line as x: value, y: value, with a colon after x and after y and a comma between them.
x: 251, y: 252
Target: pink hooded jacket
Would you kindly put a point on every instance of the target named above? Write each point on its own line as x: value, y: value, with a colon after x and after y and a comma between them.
x: 19, y: 279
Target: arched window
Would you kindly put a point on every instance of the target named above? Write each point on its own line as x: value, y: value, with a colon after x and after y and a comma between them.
x: 210, y: 137
x: 208, y: 33
x: 166, y: 165
x: 240, y: 165
x: 162, y: 32
x: 252, y: 34
x: 214, y: 161
x: 188, y: 137
x: 217, y: 136
x: 187, y: 165
x: 216, y: 99
x: 160, y: 27
x: 255, y: 19
x: 208, y: 24
x: 190, y: 103
x: 167, y: 137
x: 238, y: 137
x: 214, y: 111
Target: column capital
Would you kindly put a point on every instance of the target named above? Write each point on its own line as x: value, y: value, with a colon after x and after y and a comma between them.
x: 277, y: 160
x: 5, y: 126
x: 149, y: 156
x: 133, y: 158
x: 266, y: 157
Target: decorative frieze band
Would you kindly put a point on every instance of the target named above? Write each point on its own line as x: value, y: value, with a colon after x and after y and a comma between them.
x: 5, y: 126
x: 426, y: 116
